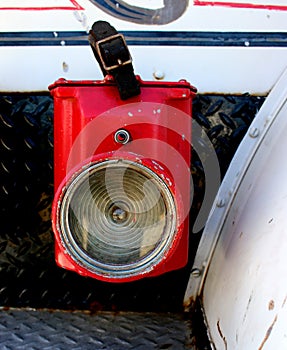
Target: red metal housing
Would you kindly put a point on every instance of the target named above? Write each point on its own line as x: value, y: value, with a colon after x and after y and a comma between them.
x: 154, y: 134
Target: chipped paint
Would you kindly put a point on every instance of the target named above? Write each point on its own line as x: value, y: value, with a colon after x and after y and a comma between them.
x: 247, y: 307
x: 267, y: 335
x: 284, y: 301
x: 221, y: 334
x: 271, y: 305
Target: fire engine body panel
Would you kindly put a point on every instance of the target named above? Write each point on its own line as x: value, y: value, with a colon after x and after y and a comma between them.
x: 222, y: 47
x: 240, y: 46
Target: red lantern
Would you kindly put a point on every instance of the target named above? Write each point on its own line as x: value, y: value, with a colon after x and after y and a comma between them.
x: 122, y: 178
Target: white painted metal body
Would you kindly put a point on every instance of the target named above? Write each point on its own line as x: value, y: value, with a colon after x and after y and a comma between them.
x: 242, y: 255
x: 213, y: 63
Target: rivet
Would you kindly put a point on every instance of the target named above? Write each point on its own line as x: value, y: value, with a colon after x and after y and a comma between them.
x: 159, y: 75
x: 220, y: 203
x: 254, y: 132
x: 195, y: 272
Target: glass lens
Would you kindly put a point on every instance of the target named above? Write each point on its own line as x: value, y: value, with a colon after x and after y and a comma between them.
x: 118, y: 215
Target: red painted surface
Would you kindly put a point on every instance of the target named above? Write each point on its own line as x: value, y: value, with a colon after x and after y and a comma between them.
x: 88, y: 113
x: 241, y: 5
x: 74, y: 6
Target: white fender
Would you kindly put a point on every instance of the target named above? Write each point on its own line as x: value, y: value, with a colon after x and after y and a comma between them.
x: 240, y: 269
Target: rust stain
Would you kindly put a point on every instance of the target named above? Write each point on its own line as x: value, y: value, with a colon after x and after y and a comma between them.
x: 271, y: 305
x: 189, y: 305
x: 267, y: 335
x: 221, y: 334
x: 284, y: 302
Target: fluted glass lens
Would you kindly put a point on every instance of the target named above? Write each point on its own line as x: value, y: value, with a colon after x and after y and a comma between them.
x: 118, y: 216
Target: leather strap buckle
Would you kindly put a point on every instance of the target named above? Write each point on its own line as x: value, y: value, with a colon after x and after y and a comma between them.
x: 119, y: 61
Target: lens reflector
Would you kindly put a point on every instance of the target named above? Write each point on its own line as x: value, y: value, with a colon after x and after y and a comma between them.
x: 117, y: 218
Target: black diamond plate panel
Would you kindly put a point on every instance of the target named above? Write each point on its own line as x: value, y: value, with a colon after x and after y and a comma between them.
x: 43, y: 330
x: 28, y: 274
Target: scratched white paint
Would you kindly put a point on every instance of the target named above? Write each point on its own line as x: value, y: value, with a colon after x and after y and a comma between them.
x: 245, y: 292
x: 210, y: 69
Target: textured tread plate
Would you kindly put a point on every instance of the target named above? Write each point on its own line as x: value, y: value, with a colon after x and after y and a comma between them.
x: 45, y: 329
x: 28, y: 275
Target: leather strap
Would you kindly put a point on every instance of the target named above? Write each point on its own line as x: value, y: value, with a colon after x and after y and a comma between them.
x: 113, y: 56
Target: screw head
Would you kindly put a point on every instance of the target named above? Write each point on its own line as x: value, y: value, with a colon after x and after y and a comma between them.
x: 196, y: 272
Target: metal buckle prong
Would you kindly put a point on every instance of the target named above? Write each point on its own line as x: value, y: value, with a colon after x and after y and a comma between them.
x: 120, y: 62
